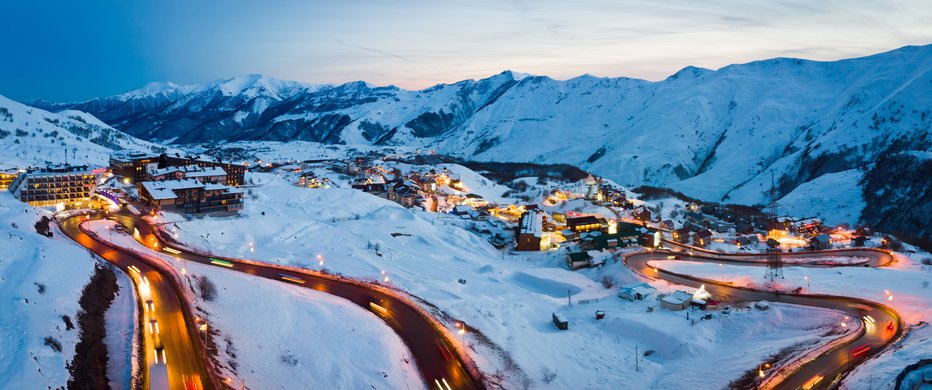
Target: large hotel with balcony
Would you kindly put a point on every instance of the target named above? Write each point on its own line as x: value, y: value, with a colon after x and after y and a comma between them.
x: 54, y: 184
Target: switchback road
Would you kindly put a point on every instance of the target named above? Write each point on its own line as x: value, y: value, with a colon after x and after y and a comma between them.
x: 885, y: 328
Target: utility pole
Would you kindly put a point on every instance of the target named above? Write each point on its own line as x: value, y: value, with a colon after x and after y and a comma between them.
x: 637, y: 367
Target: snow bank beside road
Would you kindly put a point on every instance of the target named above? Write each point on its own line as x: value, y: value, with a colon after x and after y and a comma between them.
x: 41, y: 280
x: 291, y: 337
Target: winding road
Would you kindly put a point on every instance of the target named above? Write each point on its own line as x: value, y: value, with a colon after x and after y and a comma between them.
x: 831, y: 365
x: 438, y: 360
x: 175, y: 333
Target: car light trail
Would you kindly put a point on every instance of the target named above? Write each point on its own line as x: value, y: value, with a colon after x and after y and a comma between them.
x: 222, y: 263
x: 293, y: 279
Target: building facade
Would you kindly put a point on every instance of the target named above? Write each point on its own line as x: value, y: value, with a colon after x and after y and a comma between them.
x: 190, y: 196
x: 53, y: 185
x: 135, y: 167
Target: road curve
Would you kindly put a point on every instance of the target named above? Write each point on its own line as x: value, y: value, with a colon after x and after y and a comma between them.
x: 186, y: 366
x: 832, y: 364
x: 437, y: 359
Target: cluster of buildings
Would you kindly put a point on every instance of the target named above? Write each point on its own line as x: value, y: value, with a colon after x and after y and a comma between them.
x: 184, y: 184
x: 139, y: 167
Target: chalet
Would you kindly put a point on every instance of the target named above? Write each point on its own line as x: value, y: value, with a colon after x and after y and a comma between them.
x: 577, y: 260
x: 747, y: 240
x: 190, y: 196
x: 744, y: 226
x: 641, y: 214
x: 682, y: 235
x: 530, y: 235
x: 693, y: 217
x: 702, y: 238
x: 636, y: 291
x: 464, y: 211
x: 821, y: 242
x: 807, y: 226
x: 619, y: 201
x: 667, y: 224
x: 586, y: 224
x: 403, y: 192
x: 677, y: 300
x: 372, y: 183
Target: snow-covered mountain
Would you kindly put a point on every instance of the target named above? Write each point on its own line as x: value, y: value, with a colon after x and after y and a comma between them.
x: 30, y: 137
x: 717, y: 135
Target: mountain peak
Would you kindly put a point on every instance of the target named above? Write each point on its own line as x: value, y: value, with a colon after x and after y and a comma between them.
x: 690, y: 73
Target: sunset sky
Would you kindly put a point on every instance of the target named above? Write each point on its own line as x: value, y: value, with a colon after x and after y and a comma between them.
x: 67, y: 50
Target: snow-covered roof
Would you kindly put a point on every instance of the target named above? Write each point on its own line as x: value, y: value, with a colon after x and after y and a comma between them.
x: 205, y: 172
x: 677, y: 297
x: 158, y: 191
x: 532, y: 223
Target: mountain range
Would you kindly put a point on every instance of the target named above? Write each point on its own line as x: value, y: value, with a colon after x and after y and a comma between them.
x: 722, y: 135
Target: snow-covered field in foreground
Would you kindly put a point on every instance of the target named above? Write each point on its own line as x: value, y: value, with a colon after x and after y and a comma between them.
x: 288, y: 337
x: 909, y: 282
x: 282, y: 336
x: 41, y: 280
x: 509, y: 298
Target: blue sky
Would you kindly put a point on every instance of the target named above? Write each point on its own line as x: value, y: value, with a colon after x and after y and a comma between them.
x: 70, y: 50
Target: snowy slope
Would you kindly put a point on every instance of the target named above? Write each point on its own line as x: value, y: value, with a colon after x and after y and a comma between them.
x: 508, y: 297
x: 718, y: 135
x: 41, y: 280
x: 30, y: 136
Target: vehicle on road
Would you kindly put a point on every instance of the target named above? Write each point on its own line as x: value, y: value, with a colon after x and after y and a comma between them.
x: 291, y: 278
x: 860, y: 350
x: 222, y: 263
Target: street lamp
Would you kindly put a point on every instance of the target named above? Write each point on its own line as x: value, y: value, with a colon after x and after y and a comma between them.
x: 462, y: 332
x: 722, y: 267
x: 808, y: 289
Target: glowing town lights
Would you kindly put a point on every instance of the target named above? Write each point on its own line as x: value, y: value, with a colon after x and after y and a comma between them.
x: 386, y: 279
x: 252, y: 248
x: 203, y: 327
x: 844, y: 325
x: 184, y: 271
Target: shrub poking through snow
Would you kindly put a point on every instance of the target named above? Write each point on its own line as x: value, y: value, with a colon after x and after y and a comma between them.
x: 52, y: 342
x: 207, y: 290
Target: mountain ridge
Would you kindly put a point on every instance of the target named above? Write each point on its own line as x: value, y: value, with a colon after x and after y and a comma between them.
x: 713, y: 134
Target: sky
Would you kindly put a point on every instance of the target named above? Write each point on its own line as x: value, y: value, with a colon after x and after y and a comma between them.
x: 69, y: 50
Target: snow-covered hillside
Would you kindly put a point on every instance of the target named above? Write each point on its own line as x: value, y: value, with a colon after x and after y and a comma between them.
x: 41, y: 280
x: 716, y: 135
x: 30, y: 136
x: 509, y: 297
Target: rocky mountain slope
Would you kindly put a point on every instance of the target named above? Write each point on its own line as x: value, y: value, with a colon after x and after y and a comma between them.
x: 717, y: 135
